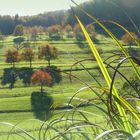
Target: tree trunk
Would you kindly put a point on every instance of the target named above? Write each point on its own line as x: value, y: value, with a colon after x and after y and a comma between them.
x: 41, y: 89
x: 30, y: 64
x: 13, y: 64
x: 130, y: 45
x: 49, y: 62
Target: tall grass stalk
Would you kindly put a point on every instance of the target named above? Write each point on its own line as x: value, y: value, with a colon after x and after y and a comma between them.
x: 107, y: 77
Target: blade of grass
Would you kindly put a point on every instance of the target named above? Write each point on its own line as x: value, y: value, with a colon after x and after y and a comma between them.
x: 112, y: 131
x: 136, y: 134
x: 106, y: 76
x: 25, y: 132
x: 123, y: 28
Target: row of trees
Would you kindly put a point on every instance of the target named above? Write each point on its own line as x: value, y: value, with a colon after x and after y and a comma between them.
x: 47, y: 76
x: 49, y: 52
x: 46, y: 52
x: 55, y: 32
x: 44, y: 76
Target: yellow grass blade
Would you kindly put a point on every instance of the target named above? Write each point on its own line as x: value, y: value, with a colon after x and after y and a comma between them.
x: 106, y: 76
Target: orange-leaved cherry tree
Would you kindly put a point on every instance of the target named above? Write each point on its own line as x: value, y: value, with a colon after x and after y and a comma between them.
x: 12, y: 56
x: 28, y: 55
x: 47, y: 52
x: 54, y: 32
x: 54, y: 29
x: 127, y: 39
x: 41, y: 78
x: 68, y: 30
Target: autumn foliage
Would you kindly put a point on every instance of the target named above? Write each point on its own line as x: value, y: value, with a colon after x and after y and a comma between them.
x: 68, y: 28
x: 69, y: 31
x: 28, y: 55
x: 48, y: 52
x: 127, y: 39
x: 41, y: 78
x: 91, y: 30
x: 54, y: 32
x: 54, y: 29
x: 78, y: 32
x: 19, y: 30
x: 12, y: 56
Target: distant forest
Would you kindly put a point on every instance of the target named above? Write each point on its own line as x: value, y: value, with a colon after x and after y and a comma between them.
x: 101, y: 9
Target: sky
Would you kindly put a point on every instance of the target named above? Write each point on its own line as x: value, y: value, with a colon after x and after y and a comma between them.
x: 33, y: 7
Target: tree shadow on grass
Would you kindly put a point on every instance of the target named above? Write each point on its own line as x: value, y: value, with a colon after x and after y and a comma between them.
x: 55, y: 72
x: 41, y: 104
x: 83, y: 45
x: 134, y: 52
x: 25, y: 75
x: 9, y: 77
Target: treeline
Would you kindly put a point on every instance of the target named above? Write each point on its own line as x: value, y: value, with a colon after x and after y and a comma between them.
x: 102, y: 9
x: 8, y: 23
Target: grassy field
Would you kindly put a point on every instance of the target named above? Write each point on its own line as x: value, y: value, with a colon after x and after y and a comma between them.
x: 15, y: 104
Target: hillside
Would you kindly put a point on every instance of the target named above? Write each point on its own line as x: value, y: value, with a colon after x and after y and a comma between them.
x: 118, y: 10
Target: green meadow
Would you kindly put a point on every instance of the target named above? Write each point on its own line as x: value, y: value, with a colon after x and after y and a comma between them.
x: 73, y: 90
